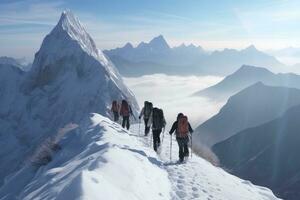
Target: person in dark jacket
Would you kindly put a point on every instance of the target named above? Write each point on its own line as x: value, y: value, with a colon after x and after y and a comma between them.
x: 146, y: 113
x: 182, y: 129
x: 115, y: 108
x: 158, y: 122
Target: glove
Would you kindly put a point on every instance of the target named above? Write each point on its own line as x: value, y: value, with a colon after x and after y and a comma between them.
x: 140, y: 117
x: 170, y: 133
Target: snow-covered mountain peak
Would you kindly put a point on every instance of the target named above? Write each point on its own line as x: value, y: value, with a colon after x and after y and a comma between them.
x: 70, y: 24
x: 250, y: 48
x: 68, y: 56
x: 159, y: 39
x: 67, y: 39
x: 191, y: 46
x: 128, y: 45
x: 159, y: 43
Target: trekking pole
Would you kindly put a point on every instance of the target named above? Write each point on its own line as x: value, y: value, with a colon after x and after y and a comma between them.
x: 139, y: 127
x: 171, y: 148
x: 151, y: 137
x: 150, y: 134
x: 162, y: 140
x: 191, y: 146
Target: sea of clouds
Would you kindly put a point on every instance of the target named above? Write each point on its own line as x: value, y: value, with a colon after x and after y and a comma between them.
x: 174, y: 94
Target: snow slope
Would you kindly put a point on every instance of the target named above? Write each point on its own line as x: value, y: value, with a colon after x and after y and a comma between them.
x: 99, y: 160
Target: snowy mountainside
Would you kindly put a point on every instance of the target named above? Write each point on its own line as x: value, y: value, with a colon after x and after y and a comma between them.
x: 69, y: 79
x: 99, y: 159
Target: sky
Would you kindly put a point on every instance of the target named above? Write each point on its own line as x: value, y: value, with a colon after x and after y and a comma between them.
x: 213, y: 24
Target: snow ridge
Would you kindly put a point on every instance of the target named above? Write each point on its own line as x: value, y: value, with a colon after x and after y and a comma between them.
x: 100, y: 159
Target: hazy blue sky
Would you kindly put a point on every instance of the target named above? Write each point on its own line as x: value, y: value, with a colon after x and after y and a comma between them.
x: 213, y: 24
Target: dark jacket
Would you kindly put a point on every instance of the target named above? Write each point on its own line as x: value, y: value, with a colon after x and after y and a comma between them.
x: 174, y: 128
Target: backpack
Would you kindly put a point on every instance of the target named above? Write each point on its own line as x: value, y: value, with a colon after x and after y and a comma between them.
x: 115, y: 107
x: 147, y: 109
x: 124, y: 108
x: 183, y: 127
x: 158, y: 121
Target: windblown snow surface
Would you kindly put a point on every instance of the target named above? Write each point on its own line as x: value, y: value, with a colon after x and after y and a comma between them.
x: 101, y: 160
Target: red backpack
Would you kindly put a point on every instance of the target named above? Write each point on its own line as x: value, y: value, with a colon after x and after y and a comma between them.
x: 183, y: 126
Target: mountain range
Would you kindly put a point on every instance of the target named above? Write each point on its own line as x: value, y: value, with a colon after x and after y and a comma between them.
x: 267, y: 154
x: 246, y: 76
x: 255, y: 105
x: 158, y: 57
x: 69, y: 79
x: 21, y: 62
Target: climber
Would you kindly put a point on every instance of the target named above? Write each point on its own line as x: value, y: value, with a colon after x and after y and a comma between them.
x: 158, y: 122
x: 115, y: 108
x: 146, y: 113
x: 125, y: 112
x: 182, y: 129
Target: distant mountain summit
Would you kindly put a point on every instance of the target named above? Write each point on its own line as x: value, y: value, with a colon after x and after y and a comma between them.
x: 154, y: 50
x: 255, y: 105
x: 158, y: 44
x: 70, y: 78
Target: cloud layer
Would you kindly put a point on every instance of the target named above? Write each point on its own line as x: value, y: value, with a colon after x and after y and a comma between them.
x: 173, y: 94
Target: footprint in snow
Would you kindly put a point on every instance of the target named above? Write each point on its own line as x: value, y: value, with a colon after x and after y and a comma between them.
x: 180, y: 181
x: 181, y: 177
x: 181, y: 194
x: 179, y: 186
